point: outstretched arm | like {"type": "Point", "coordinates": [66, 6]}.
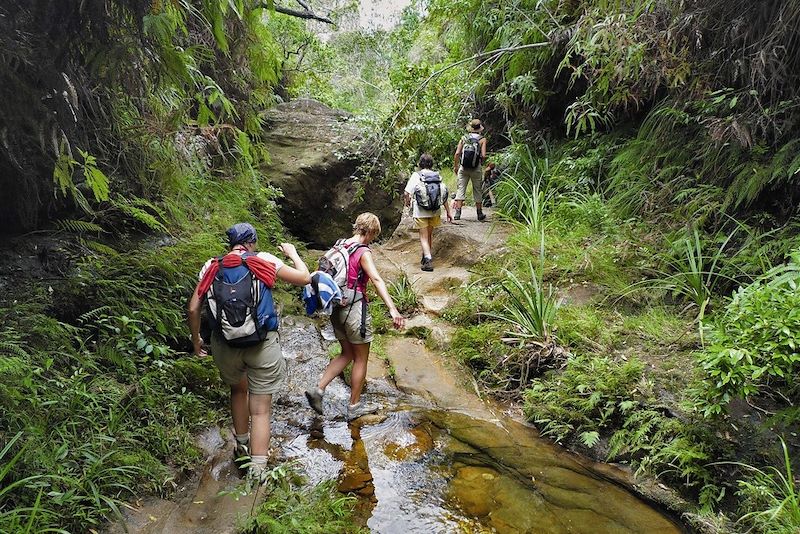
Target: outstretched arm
{"type": "Point", "coordinates": [380, 286]}
{"type": "Point", "coordinates": [298, 275]}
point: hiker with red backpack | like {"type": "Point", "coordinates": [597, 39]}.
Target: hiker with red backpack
{"type": "Point", "coordinates": [237, 291]}
{"type": "Point", "coordinates": [427, 194]}
{"type": "Point", "coordinates": [351, 262]}
{"type": "Point", "coordinates": [470, 153]}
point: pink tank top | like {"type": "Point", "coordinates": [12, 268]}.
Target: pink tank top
{"type": "Point", "coordinates": [353, 279]}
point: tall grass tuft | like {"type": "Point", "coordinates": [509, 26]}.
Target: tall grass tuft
{"type": "Point", "coordinates": [530, 307]}
{"type": "Point", "coordinates": [403, 294]}
{"type": "Point", "coordinates": [774, 496]}
{"type": "Point", "coordinates": [522, 194]}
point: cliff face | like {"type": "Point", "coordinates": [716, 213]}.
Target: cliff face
{"type": "Point", "coordinates": [316, 161]}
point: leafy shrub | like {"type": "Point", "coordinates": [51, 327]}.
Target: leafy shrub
{"type": "Point", "coordinates": [754, 341]}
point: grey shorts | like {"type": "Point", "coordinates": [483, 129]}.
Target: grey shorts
{"type": "Point", "coordinates": [470, 175]}
{"type": "Point", "coordinates": [346, 322]}
{"type": "Point", "coordinates": [264, 364]}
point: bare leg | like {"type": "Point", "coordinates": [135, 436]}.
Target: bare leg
{"type": "Point", "coordinates": [260, 412]}
{"type": "Point", "coordinates": [430, 240]}
{"type": "Point", "coordinates": [239, 409]}
{"type": "Point", "coordinates": [424, 240]}
{"type": "Point", "coordinates": [359, 374]}
{"type": "Point", "coordinates": [337, 365]}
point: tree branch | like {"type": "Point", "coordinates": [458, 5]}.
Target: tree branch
{"type": "Point", "coordinates": [305, 13]}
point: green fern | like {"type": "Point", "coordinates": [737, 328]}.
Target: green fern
{"type": "Point", "coordinates": [79, 227]}
{"type": "Point", "coordinates": [140, 210]}
{"type": "Point", "coordinates": [11, 348]}
{"type": "Point", "coordinates": [590, 438]}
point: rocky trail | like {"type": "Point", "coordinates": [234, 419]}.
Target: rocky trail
{"type": "Point", "coordinates": [437, 457]}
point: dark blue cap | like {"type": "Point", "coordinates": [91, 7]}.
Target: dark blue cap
{"type": "Point", "coordinates": [241, 233]}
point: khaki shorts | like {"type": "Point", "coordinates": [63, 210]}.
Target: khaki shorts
{"type": "Point", "coordinates": [346, 322]}
{"type": "Point", "coordinates": [425, 222]}
{"type": "Point", "coordinates": [264, 364]}
{"type": "Point", "coordinates": [470, 175]}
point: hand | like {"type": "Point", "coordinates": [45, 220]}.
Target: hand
{"type": "Point", "coordinates": [288, 250]}
{"type": "Point", "coordinates": [398, 320]}
{"type": "Point", "coordinates": [198, 347]}
{"type": "Point", "coordinates": [449, 217]}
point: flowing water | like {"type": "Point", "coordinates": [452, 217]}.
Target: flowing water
{"type": "Point", "coordinates": [435, 459]}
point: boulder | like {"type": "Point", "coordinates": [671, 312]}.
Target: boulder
{"type": "Point", "coordinates": [316, 161]}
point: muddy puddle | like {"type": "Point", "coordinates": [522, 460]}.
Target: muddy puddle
{"type": "Point", "coordinates": [419, 465]}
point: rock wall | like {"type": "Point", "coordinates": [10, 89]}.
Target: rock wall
{"type": "Point", "coordinates": [315, 160]}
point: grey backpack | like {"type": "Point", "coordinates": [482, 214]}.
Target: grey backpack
{"type": "Point", "coordinates": [428, 193]}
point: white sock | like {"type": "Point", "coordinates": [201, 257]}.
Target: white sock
{"type": "Point", "coordinates": [259, 460]}
{"type": "Point", "coordinates": [242, 439]}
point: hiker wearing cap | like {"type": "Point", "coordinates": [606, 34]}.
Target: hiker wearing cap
{"type": "Point", "coordinates": [351, 321]}
{"type": "Point", "coordinates": [427, 194]}
{"type": "Point", "coordinates": [470, 153]}
{"type": "Point", "coordinates": [237, 290]}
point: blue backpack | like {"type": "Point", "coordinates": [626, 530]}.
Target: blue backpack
{"type": "Point", "coordinates": [240, 306]}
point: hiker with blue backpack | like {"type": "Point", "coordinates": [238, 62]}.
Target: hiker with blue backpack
{"type": "Point", "coordinates": [351, 264]}
{"type": "Point", "coordinates": [236, 290]}
{"type": "Point", "coordinates": [470, 153]}
{"type": "Point", "coordinates": [426, 193]}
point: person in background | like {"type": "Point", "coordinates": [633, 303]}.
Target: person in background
{"type": "Point", "coordinates": [251, 363]}
{"type": "Point", "coordinates": [491, 174]}
{"type": "Point", "coordinates": [470, 154]}
{"type": "Point", "coordinates": [351, 322]}
{"type": "Point", "coordinates": [426, 193]}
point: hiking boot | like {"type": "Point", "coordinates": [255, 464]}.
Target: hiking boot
{"type": "Point", "coordinates": [257, 474]}
{"type": "Point", "coordinates": [427, 264]}
{"type": "Point", "coordinates": [354, 411]}
{"type": "Point", "coordinates": [457, 215]}
{"type": "Point", "coordinates": [241, 454]}
{"type": "Point", "coordinates": [314, 397]}
{"type": "Point", "coordinates": [481, 216]}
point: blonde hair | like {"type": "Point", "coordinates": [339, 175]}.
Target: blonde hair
{"type": "Point", "coordinates": [367, 224]}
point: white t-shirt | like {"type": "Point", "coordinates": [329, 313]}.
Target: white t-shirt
{"type": "Point", "coordinates": [411, 186]}
{"type": "Point", "coordinates": [266, 256]}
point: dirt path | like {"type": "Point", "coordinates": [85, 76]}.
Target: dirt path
{"type": "Point", "coordinates": [457, 248]}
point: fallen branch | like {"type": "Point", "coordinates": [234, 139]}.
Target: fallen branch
{"type": "Point", "coordinates": [305, 13]}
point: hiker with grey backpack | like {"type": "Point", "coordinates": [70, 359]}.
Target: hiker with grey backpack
{"type": "Point", "coordinates": [426, 193]}
{"type": "Point", "coordinates": [350, 263]}
{"type": "Point", "coordinates": [470, 154]}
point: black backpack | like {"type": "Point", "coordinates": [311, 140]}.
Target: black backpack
{"type": "Point", "coordinates": [428, 193]}
{"type": "Point", "coordinates": [471, 151]}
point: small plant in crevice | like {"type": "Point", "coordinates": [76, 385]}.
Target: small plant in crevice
{"type": "Point", "coordinates": [403, 294]}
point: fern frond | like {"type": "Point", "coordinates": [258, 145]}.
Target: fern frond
{"type": "Point", "coordinates": [94, 314]}
{"type": "Point", "coordinates": [79, 227]}
{"type": "Point", "coordinates": [9, 348]}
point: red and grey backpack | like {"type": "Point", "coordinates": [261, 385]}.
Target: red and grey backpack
{"type": "Point", "coordinates": [240, 306]}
